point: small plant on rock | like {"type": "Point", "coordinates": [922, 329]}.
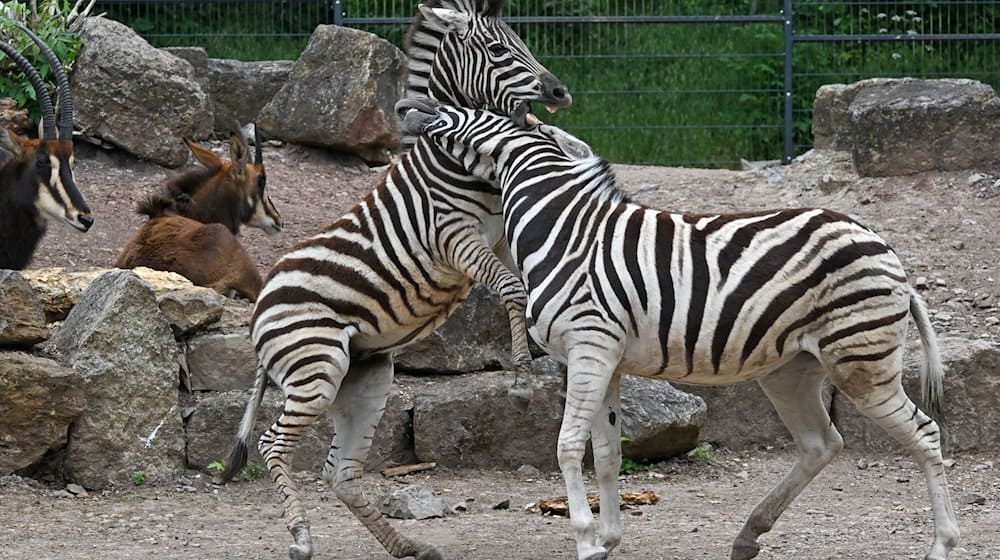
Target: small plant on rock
{"type": "Point", "coordinates": [139, 478]}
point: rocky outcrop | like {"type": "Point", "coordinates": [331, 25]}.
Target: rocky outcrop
{"type": "Point", "coordinates": [900, 127]}
{"type": "Point", "coordinates": [240, 90]}
{"type": "Point", "coordinates": [22, 318]}
{"type": "Point", "coordinates": [136, 97]}
{"type": "Point", "coordinates": [475, 338]}
{"type": "Point", "coordinates": [340, 95]}
{"type": "Point", "coordinates": [59, 289]}
{"type": "Point", "coordinates": [38, 401]}
{"type": "Point", "coordinates": [190, 309]}
{"type": "Point", "coordinates": [117, 339]}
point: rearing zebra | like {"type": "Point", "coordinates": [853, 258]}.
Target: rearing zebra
{"type": "Point", "coordinates": [390, 271]}
{"type": "Point", "coordinates": [785, 297]}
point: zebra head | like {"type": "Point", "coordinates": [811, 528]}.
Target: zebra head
{"type": "Point", "coordinates": [458, 131]}
{"type": "Point", "coordinates": [463, 54]}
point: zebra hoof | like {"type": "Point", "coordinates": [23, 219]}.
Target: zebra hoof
{"type": "Point", "coordinates": [597, 556]}
{"type": "Point", "coordinates": [300, 552]}
{"type": "Point", "coordinates": [745, 549]}
{"type": "Point", "coordinates": [520, 396]}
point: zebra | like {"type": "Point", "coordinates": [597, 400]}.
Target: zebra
{"type": "Point", "coordinates": [785, 297]}
{"type": "Point", "coordinates": [390, 271]}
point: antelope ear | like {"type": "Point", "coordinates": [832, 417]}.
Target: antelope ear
{"type": "Point", "coordinates": [452, 20]}
{"type": "Point", "coordinates": [9, 143]}
{"type": "Point", "coordinates": [239, 152]}
{"type": "Point", "coordinates": [204, 156]}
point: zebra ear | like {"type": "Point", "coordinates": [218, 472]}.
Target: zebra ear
{"type": "Point", "coordinates": [451, 20]}
{"type": "Point", "coordinates": [569, 144]}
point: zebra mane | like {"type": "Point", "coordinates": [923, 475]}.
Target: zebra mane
{"type": "Point", "coordinates": [424, 37]}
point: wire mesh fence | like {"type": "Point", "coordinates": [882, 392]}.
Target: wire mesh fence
{"type": "Point", "coordinates": [683, 82]}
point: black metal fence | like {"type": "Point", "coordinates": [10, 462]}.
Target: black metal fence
{"type": "Point", "coordinates": [682, 83]}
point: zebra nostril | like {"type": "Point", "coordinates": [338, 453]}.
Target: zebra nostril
{"type": "Point", "coordinates": [558, 92]}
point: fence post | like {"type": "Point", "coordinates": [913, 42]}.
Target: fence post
{"type": "Point", "coordinates": [338, 12]}
{"type": "Point", "coordinates": [789, 122]}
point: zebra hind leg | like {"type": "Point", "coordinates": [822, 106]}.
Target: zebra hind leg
{"type": "Point", "coordinates": [303, 404]}
{"type": "Point", "coordinates": [795, 390]}
{"type": "Point", "coordinates": [878, 394]}
{"type": "Point", "coordinates": [607, 445]}
{"type": "Point", "coordinates": [356, 413]}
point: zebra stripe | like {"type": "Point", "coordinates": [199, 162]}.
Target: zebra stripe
{"type": "Point", "coordinates": [786, 297]}
{"type": "Point", "coordinates": [390, 271]}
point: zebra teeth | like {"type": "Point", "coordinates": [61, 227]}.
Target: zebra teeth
{"type": "Point", "coordinates": [552, 108]}
{"type": "Point", "coordinates": [531, 120]}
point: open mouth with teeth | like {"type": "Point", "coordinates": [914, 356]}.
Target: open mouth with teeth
{"type": "Point", "coordinates": [525, 118]}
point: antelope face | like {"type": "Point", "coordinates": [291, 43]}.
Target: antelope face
{"type": "Point", "coordinates": [263, 214]}
{"type": "Point", "coordinates": [58, 197]}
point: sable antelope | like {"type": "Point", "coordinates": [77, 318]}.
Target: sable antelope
{"type": "Point", "coordinates": [194, 219]}
{"type": "Point", "coordinates": [36, 179]}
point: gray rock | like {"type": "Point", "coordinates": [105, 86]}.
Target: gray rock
{"type": "Point", "coordinates": [831, 122]}
{"type": "Point", "coordinates": [117, 339]}
{"type": "Point", "coordinates": [191, 309]}
{"type": "Point", "coordinates": [240, 90]}
{"type": "Point", "coordinates": [925, 125]}
{"type": "Point", "coordinates": [970, 402]}
{"type": "Point", "coordinates": [22, 317]}
{"type": "Point", "coordinates": [413, 502]}
{"type": "Point", "coordinates": [220, 361]}
{"type": "Point", "coordinates": [38, 401]}
{"type": "Point", "coordinates": [340, 94]}
{"type": "Point", "coordinates": [213, 423]}
{"type": "Point", "coordinates": [475, 337]}
{"type": "Point", "coordinates": [139, 98]}
{"type": "Point", "coordinates": [468, 421]}
{"type": "Point", "coordinates": [658, 420]}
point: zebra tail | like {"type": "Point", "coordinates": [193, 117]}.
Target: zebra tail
{"type": "Point", "coordinates": [238, 455]}
{"type": "Point", "coordinates": [932, 372]}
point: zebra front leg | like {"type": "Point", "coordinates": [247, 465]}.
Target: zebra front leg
{"type": "Point", "coordinates": [607, 444]}
{"type": "Point", "coordinates": [356, 413]}
{"type": "Point", "coordinates": [303, 404]}
{"type": "Point", "coordinates": [795, 390]}
{"type": "Point", "coordinates": [590, 368]}
{"type": "Point", "coordinates": [481, 264]}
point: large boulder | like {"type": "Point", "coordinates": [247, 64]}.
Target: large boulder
{"type": "Point", "coordinates": [658, 420]}
{"type": "Point", "coordinates": [214, 420]}
{"type": "Point", "coordinates": [475, 338]}
{"type": "Point", "coordinates": [22, 318]}
{"type": "Point", "coordinates": [137, 97]}
{"type": "Point", "coordinates": [240, 90]}
{"type": "Point", "coordinates": [117, 339]}
{"type": "Point", "coordinates": [191, 309]}
{"type": "Point", "coordinates": [38, 401]}
{"type": "Point", "coordinates": [971, 401]}
{"type": "Point", "coordinates": [899, 128]}
{"type": "Point", "coordinates": [831, 117]}
{"type": "Point", "coordinates": [468, 421]}
{"type": "Point", "coordinates": [340, 95]}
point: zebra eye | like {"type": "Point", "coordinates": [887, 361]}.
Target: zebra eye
{"type": "Point", "coordinates": [498, 49]}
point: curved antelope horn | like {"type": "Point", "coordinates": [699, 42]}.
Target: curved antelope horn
{"type": "Point", "coordinates": [62, 83]}
{"type": "Point", "coordinates": [258, 145]}
{"type": "Point", "coordinates": [44, 99]}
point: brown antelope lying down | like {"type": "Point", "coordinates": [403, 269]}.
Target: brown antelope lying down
{"type": "Point", "coordinates": [36, 176]}
{"type": "Point", "coordinates": [194, 219]}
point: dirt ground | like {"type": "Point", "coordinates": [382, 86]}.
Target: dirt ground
{"type": "Point", "coordinates": [943, 225]}
{"type": "Point", "coordinates": [876, 513]}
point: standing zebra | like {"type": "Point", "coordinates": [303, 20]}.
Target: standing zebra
{"type": "Point", "coordinates": [390, 271]}
{"type": "Point", "coordinates": [786, 297]}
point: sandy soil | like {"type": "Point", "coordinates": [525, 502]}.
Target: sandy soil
{"type": "Point", "coordinates": [941, 224]}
